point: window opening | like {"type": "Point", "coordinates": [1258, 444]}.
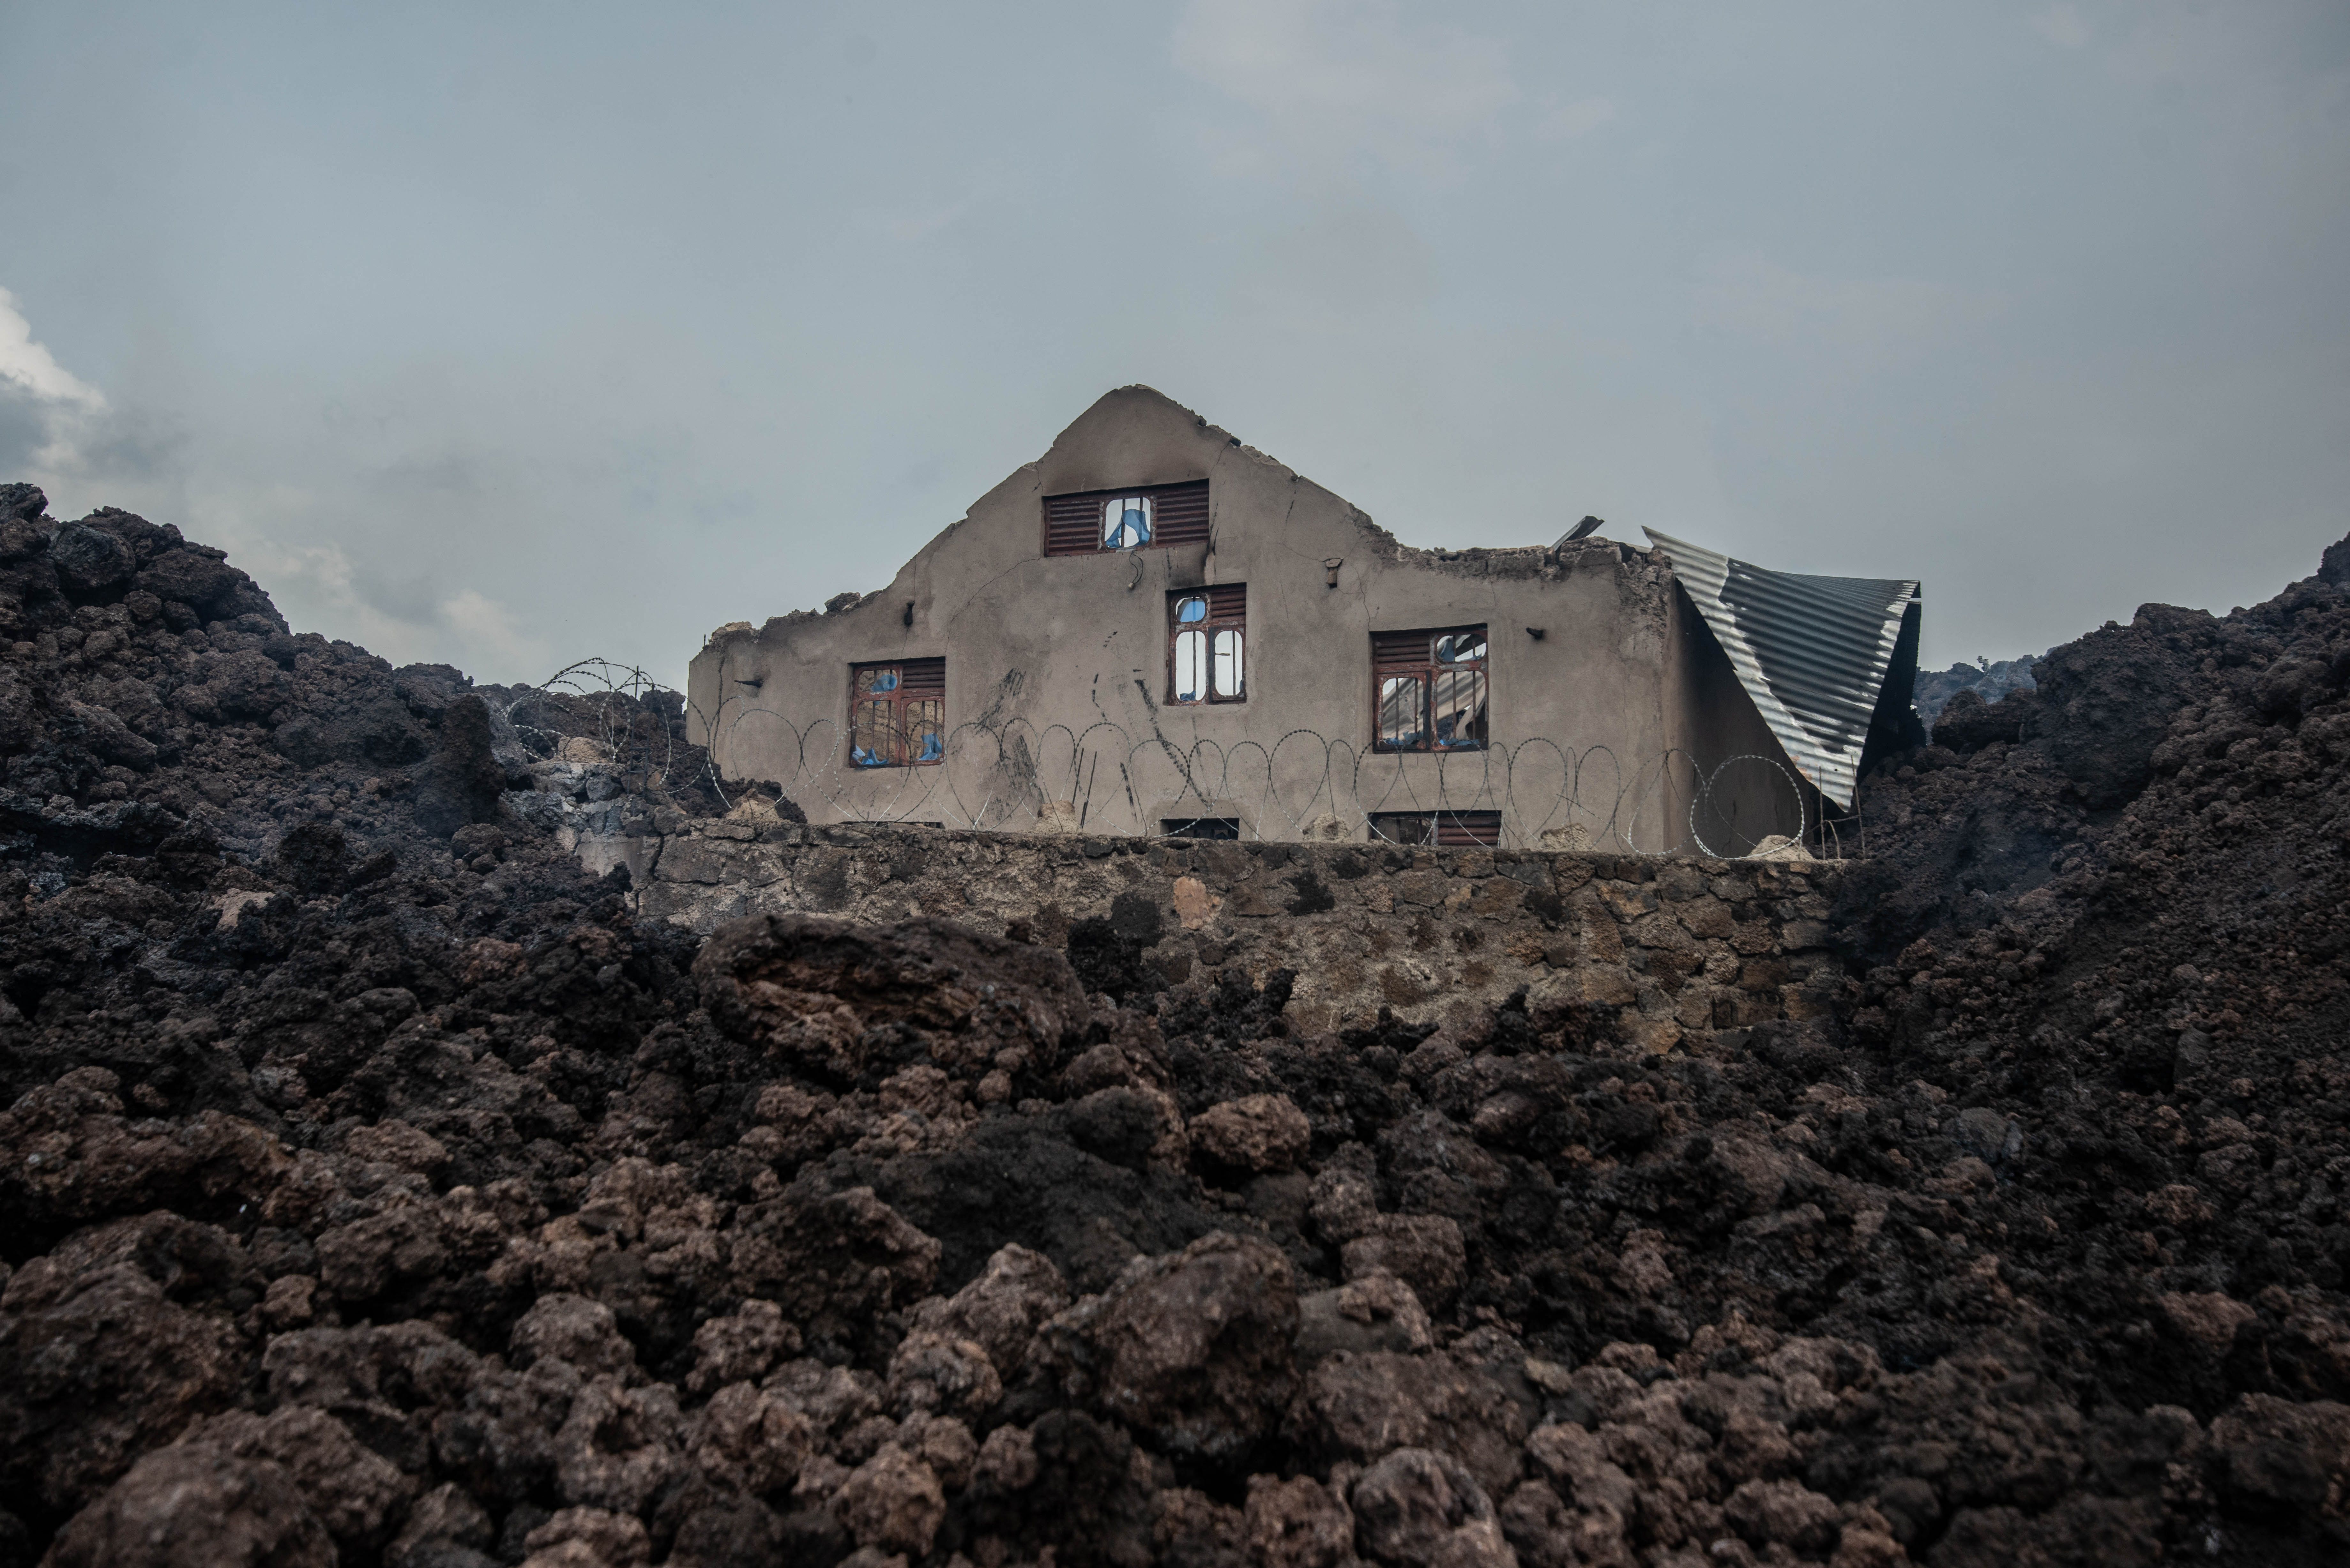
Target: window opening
{"type": "Point", "coordinates": [1126, 522]}
{"type": "Point", "coordinates": [1440, 829]}
{"type": "Point", "coordinates": [897, 713]}
{"type": "Point", "coordinates": [1430, 689]}
{"type": "Point", "coordinates": [1137, 518]}
{"type": "Point", "coordinates": [1207, 634]}
{"type": "Point", "coordinates": [1222, 828]}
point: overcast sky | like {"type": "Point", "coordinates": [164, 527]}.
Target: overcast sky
{"type": "Point", "coordinates": [507, 334]}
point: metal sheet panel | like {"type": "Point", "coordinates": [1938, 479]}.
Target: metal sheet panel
{"type": "Point", "coordinates": [1813, 652]}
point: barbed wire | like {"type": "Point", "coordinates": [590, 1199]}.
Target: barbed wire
{"type": "Point", "coordinates": [1102, 778]}
{"type": "Point", "coordinates": [1014, 775]}
{"type": "Point", "coordinates": [615, 709]}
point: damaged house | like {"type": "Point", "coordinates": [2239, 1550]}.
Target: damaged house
{"type": "Point", "coordinates": [1156, 630]}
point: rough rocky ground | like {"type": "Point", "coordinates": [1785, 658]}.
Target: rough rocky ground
{"type": "Point", "coordinates": [374, 1191]}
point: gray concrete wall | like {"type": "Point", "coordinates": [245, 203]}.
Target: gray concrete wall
{"type": "Point", "coordinates": [1056, 668]}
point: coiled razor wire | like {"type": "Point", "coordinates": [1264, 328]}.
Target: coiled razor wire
{"type": "Point", "coordinates": [616, 710]}
{"type": "Point", "coordinates": [1011, 774]}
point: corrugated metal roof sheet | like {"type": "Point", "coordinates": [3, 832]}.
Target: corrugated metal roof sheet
{"type": "Point", "coordinates": [1813, 652]}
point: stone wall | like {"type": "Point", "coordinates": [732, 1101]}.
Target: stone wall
{"type": "Point", "coordinates": [1682, 947]}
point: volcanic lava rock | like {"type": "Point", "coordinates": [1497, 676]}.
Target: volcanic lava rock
{"type": "Point", "coordinates": [375, 1187]}
{"type": "Point", "coordinates": [1417, 1506]}
{"type": "Point", "coordinates": [196, 1506]}
{"type": "Point", "coordinates": [88, 561]}
{"type": "Point", "coordinates": [1192, 1350]}
{"type": "Point", "coordinates": [463, 781]}
{"type": "Point", "coordinates": [1253, 1133]}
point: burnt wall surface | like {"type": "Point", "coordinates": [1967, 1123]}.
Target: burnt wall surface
{"type": "Point", "coordinates": [1684, 947]}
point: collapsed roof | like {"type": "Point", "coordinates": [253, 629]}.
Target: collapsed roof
{"type": "Point", "coordinates": [1819, 656]}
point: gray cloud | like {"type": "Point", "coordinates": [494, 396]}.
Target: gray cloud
{"type": "Point", "coordinates": [24, 430]}
{"type": "Point", "coordinates": [504, 344]}
{"type": "Point", "coordinates": [1341, 81]}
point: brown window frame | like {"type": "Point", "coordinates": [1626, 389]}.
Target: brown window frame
{"type": "Point", "coordinates": [1227, 611]}
{"type": "Point", "coordinates": [920, 682]}
{"type": "Point", "coordinates": [1402, 655]}
{"type": "Point", "coordinates": [1074, 522]}
{"type": "Point", "coordinates": [1439, 829]}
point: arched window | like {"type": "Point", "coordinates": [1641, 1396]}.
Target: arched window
{"type": "Point", "coordinates": [1207, 635]}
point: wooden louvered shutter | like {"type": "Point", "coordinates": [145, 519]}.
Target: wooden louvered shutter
{"type": "Point", "coordinates": [1227, 603]}
{"type": "Point", "coordinates": [1399, 652]}
{"type": "Point", "coordinates": [922, 679]}
{"type": "Point", "coordinates": [1465, 830]}
{"type": "Point", "coordinates": [1399, 690]}
{"type": "Point", "coordinates": [1072, 525]}
{"type": "Point", "coordinates": [1180, 513]}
